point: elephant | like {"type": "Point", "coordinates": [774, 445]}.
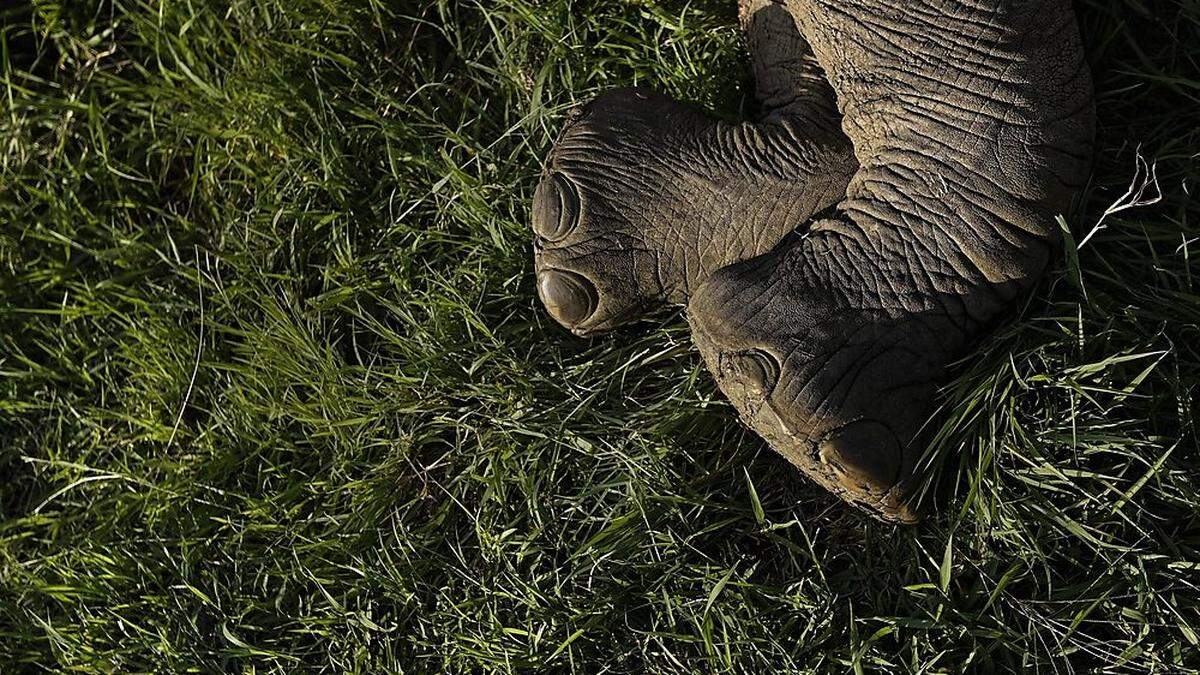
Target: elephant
{"type": "Point", "coordinates": [838, 254]}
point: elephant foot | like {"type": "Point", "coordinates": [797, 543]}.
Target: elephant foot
{"type": "Point", "coordinates": [840, 390]}
{"type": "Point", "coordinates": [609, 193]}
{"type": "Point", "coordinates": [644, 196]}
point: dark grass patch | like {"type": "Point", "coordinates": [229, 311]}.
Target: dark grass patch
{"type": "Point", "coordinates": [275, 391]}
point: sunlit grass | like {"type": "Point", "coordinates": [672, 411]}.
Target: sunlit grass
{"type": "Point", "coordinates": [275, 391]}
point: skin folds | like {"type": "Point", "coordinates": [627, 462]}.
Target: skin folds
{"type": "Point", "coordinates": [830, 279]}
{"type": "Point", "coordinates": [643, 197]}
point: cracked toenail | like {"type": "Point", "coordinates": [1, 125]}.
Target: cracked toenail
{"type": "Point", "coordinates": [759, 369]}
{"type": "Point", "coordinates": [568, 297]}
{"type": "Point", "coordinates": [555, 207]}
{"type": "Point", "coordinates": [864, 454]}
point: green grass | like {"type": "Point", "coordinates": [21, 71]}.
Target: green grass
{"type": "Point", "coordinates": [276, 394]}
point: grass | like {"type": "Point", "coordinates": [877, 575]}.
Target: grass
{"type": "Point", "coordinates": [276, 394]}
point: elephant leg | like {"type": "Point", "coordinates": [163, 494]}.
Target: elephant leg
{"type": "Point", "coordinates": [788, 80]}
{"type": "Point", "coordinates": [972, 121]}
{"type": "Point", "coordinates": [643, 196]}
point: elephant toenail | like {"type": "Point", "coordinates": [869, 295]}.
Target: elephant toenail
{"type": "Point", "coordinates": [573, 115]}
{"type": "Point", "coordinates": [865, 455]}
{"type": "Point", "coordinates": [555, 207]}
{"type": "Point", "coordinates": [758, 369]}
{"type": "Point", "coordinates": [568, 297]}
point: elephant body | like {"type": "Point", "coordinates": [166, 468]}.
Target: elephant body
{"type": "Point", "coordinates": [835, 256]}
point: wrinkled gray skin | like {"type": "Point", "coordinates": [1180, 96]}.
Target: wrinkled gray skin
{"type": "Point", "coordinates": [836, 255]}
